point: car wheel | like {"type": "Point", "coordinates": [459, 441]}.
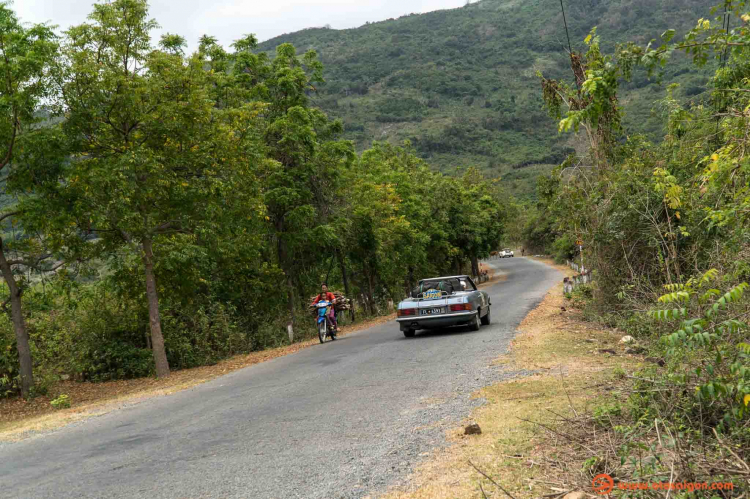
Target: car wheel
{"type": "Point", "coordinates": [486, 318]}
{"type": "Point", "coordinates": [475, 324]}
{"type": "Point", "coordinates": [409, 333]}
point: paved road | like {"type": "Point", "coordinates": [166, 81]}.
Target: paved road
{"type": "Point", "coordinates": [342, 419]}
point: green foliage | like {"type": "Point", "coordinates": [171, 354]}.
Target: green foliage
{"type": "Point", "coordinates": [9, 373]}
{"type": "Point", "coordinates": [564, 248]}
{"type": "Point", "coordinates": [61, 402]}
{"type": "Point", "coordinates": [603, 412]}
{"type": "Point", "coordinates": [665, 226]}
{"type": "Point", "coordinates": [581, 295]}
{"type": "Point", "coordinates": [723, 378]}
{"type": "Point", "coordinates": [28, 52]}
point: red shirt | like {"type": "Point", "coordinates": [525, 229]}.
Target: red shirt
{"type": "Point", "coordinates": [329, 297]}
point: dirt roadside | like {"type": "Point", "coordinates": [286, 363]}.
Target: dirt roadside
{"type": "Point", "coordinates": [20, 419]}
{"type": "Point", "coordinates": [573, 373]}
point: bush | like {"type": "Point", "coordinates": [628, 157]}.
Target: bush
{"type": "Point", "coordinates": [581, 295]}
{"type": "Point", "coordinates": [61, 402]}
{"type": "Point", "coordinates": [9, 368]}
{"type": "Point", "coordinates": [203, 336]}
{"type": "Point", "coordinates": [564, 248]}
{"type": "Point", "coordinates": [116, 360]}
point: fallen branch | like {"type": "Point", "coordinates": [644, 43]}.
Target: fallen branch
{"type": "Point", "coordinates": [560, 434]}
{"type": "Point", "coordinates": [491, 480]}
{"type": "Point", "coordinates": [725, 446]}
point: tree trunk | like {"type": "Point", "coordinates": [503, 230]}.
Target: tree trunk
{"type": "Point", "coordinates": [157, 339]}
{"type": "Point", "coordinates": [19, 326]}
{"type": "Point", "coordinates": [281, 254]}
{"type": "Point", "coordinates": [370, 297]}
{"type": "Point", "coordinates": [342, 266]}
{"type": "Point", "coordinates": [409, 281]}
{"type": "Point", "coordinates": [474, 266]}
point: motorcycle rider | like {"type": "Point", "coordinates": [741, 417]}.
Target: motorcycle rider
{"type": "Point", "coordinates": [329, 297]}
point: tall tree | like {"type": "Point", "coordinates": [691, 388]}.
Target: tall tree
{"type": "Point", "coordinates": [26, 55]}
{"type": "Point", "coordinates": [156, 155]}
{"type": "Point", "coordinates": [306, 156]}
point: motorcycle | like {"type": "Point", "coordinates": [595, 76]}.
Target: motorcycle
{"type": "Point", "coordinates": [325, 328]}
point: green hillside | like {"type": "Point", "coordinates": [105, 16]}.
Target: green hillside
{"type": "Point", "coordinates": [461, 85]}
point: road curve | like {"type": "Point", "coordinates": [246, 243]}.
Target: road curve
{"type": "Point", "coordinates": [344, 419]}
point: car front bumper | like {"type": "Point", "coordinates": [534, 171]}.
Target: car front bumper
{"type": "Point", "coordinates": [436, 321]}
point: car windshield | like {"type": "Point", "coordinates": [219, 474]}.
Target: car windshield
{"type": "Point", "coordinates": [449, 286]}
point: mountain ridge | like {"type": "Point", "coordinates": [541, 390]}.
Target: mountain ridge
{"type": "Point", "coordinates": [461, 83]}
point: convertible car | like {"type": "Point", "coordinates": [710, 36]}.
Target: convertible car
{"type": "Point", "coordinates": [443, 302]}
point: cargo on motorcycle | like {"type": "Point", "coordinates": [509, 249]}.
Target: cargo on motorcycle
{"type": "Point", "coordinates": [327, 325]}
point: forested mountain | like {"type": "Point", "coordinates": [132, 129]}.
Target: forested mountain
{"type": "Point", "coordinates": [461, 84]}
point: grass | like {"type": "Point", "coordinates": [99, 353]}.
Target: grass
{"type": "Point", "coordinates": [571, 375]}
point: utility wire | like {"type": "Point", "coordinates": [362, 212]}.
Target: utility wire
{"type": "Point", "coordinates": [724, 57]}
{"type": "Point", "coordinates": [562, 7]}
{"type": "Point", "coordinates": [570, 47]}
{"type": "Point", "coordinates": [727, 16]}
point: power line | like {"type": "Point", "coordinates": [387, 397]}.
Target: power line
{"type": "Point", "coordinates": [570, 47]}
{"type": "Point", "coordinates": [566, 26]}
{"type": "Point", "coordinates": [723, 58]}
{"type": "Point", "coordinates": [727, 17]}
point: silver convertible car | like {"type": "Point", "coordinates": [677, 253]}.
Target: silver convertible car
{"type": "Point", "coordinates": [442, 302]}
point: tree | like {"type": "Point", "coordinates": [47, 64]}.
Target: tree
{"type": "Point", "coordinates": [156, 156]}
{"type": "Point", "coordinates": [26, 55]}
{"type": "Point", "coordinates": [308, 156]}
{"type": "Point", "coordinates": [393, 227]}
{"type": "Point", "coordinates": [301, 142]}
{"type": "Point", "coordinates": [476, 217]}
{"type": "Point", "coordinates": [592, 103]}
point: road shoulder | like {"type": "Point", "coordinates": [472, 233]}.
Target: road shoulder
{"type": "Point", "coordinates": [572, 373]}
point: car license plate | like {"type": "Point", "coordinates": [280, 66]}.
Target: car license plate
{"type": "Point", "coordinates": [432, 311]}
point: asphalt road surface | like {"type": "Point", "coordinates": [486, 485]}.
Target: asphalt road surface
{"type": "Point", "coordinates": [344, 419]}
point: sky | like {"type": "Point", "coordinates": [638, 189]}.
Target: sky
{"type": "Point", "coordinates": [229, 20]}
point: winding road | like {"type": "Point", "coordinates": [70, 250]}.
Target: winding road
{"type": "Point", "coordinates": [344, 419]}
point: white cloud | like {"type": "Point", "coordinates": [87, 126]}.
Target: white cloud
{"type": "Point", "coordinates": [228, 20]}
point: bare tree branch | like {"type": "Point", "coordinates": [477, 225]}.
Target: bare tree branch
{"type": "Point", "coordinates": [491, 480]}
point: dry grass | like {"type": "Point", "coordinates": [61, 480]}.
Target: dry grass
{"type": "Point", "coordinates": [516, 452]}
{"type": "Point", "coordinates": [21, 418]}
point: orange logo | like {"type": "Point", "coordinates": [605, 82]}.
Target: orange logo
{"type": "Point", "coordinates": [603, 484]}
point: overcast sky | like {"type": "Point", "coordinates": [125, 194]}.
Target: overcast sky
{"type": "Point", "coordinates": [228, 20]}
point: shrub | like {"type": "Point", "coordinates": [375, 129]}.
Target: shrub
{"type": "Point", "coordinates": [9, 367]}
{"type": "Point", "coordinates": [581, 295]}
{"type": "Point", "coordinates": [61, 402]}
{"type": "Point", "coordinates": [564, 248]}
{"type": "Point", "coordinates": [115, 360]}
